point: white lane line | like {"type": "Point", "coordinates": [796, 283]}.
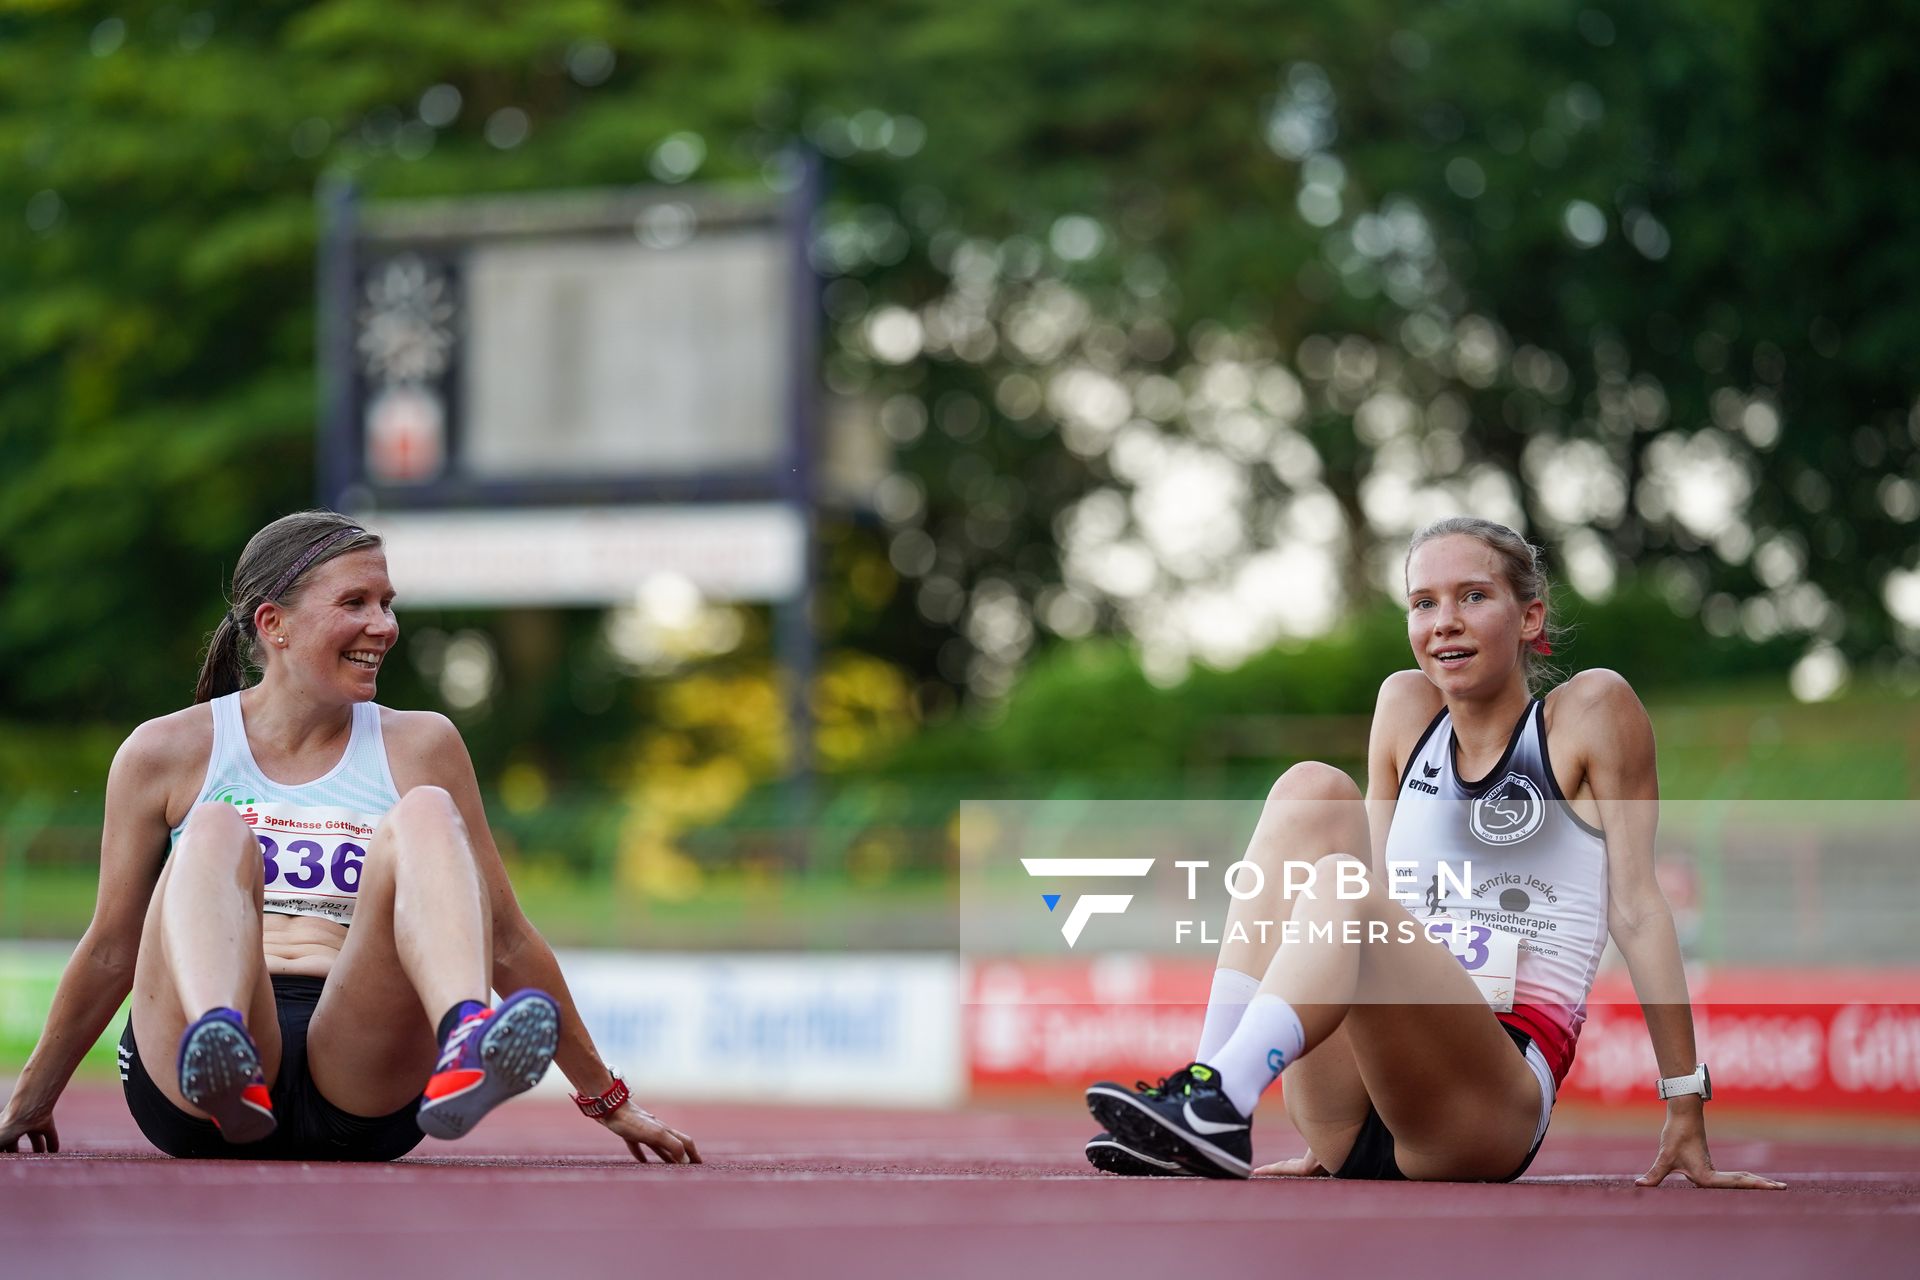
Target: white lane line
{"type": "Point", "coordinates": [1825, 1175]}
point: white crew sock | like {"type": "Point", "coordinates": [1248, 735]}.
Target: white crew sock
{"type": "Point", "coordinates": [1225, 1003]}
{"type": "Point", "coordinates": [1267, 1041]}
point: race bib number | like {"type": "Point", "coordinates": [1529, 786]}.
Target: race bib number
{"type": "Point", "coordinates": [1491, 957]}
{"type": "Point", "coordinates": [311, 858]}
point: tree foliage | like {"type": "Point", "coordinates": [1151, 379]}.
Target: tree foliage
{"type": "Point", "coordinates": [1629, 275]}
{"type": "Point", "coordinates": [1577, 259]}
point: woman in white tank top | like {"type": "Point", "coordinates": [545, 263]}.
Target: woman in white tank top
{"type": "Point", "coordinates": [299, 889]}
{"type": "Point", "coordinates": [1500, 840]}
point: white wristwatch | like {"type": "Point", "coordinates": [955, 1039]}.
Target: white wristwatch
{"type": "Point", "coordinates": [1678, 1086]}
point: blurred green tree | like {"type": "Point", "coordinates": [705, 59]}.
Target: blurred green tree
{"type": "Point", "coordinates": [1632, 274]}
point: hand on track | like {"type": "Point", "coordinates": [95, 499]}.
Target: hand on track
{"type": "Point", "coordinates": [38, 1130]}
{"type": "Point", "coordinates": [640, 1130]}
{"type": "Point", "coordinates": [1683, 1148]}
{"type": "Point", "coordinates": [1306, 1166]}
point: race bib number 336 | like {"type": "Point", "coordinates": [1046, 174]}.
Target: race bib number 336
{"type": "Point", "coordinates": [311, 858]}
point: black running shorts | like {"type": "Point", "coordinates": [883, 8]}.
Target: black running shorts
{"type": "Point", "coordinates": [310, 1127]}
{"type": "Point", "coordinates": [1372, 1154]}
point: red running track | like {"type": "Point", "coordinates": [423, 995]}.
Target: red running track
{"type": "Point", "coordinates": [538, 1193]}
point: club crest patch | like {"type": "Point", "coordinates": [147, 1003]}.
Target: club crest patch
{"type": "Point", "coordinates": [1508, 813]}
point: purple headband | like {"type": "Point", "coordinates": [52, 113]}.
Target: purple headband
{"type": "Point", "coordinates": [300, 565]}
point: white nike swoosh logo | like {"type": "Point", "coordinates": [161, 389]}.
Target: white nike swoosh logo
{"type": "Point", "coordinates": [1208, 1126]}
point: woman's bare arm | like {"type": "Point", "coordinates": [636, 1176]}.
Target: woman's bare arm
{"type": "Point", "coordinates": [1406, 705]}
{"type": "Point", "coordinates": [100, 974]}
{"type": "Point", "coordinates": [1613, 744]}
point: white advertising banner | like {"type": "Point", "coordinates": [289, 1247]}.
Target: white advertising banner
{"type": "Point", "coordinates": [862, 1029]}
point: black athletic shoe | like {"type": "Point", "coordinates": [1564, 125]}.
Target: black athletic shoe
{"type": "Point", "coordinates": [1110, 1155]}
{"type": "Point", "coordinates": [1186, 1120]}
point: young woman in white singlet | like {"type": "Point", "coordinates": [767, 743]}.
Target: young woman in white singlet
{"type": "Point", "coordinates": [299, 889]}
{"type": "Point", "coordinates": [1523, 833]}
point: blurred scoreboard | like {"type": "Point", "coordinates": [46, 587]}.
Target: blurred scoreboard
{"type": "Point", "coordinates": [549, 398]}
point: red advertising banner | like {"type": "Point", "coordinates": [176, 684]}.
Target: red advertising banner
{"type": "Point", "coordinates": [1791, 1041]}
{"type": "Point", "coordinates": [1770, 1039]}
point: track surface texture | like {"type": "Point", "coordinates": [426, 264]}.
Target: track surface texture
{"type": "Point", "coordinates": [538, 1192]}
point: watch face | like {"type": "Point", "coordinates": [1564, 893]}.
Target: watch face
{"type": "Point", "coordinates": [1706, 1084]}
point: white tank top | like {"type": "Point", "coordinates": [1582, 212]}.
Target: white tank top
{"type": "Point", "coordinates": [313, 836]}
{"type": "Point", "coordinates": [1537, 870]}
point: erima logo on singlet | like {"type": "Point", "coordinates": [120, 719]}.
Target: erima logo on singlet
{"type": "Point", "coordinates": [1510, 812]}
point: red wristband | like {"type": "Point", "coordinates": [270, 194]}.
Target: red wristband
{"type": "Point", "coordinates": [607, 1103]}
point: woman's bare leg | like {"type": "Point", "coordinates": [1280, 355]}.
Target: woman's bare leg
{"type": "Point", "coordinates": [421, 942]}
{"type": "Point", "coordinates": [1396, 1026]}
{"type": "Point", "coordinates": [1313, 810]}
{"type": "Point", "coordinates": [1434, 1060]}
{"type": "Point", "coordinates": [200, 947]}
